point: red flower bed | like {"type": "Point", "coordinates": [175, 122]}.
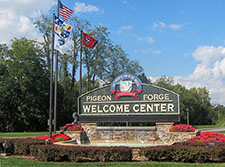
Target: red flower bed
{"type": "Point", "coordinates": [59, 137]}
{"type": "Point", "coordinates": [72, 127]}
{"type": "Point", "coordinates": [55, 137]}
{"type": "Point", "coordinates": [39, 137]}
{"type": "Point", "coordinates": [208, 137]}
{"type": "Point", "coordinates": [182, 128]}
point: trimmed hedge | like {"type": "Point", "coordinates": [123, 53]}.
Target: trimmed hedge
{"type": "Point", "coordinates": [178, 152]}
{"type": "Point", "coordinates": [23, 147]}
{"type": "Point", "coordinates": [81, 154]}
{"type": "Point", "coordinates": [187, 152]}
{"type": "Point", "coordinates": [19, 146]}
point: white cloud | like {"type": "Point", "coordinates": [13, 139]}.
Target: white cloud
{"type": "Point", "coordinates": [175, 26]}
{"type": "Point", "coordinates": [208, 54]}
{"type": "Point", "coordinates": [157, 52]}
{"type": "Point", "coordinates": [150, 51]}
{"type": "Point", "coordinates": [17, 18]}
{"type": "Point", "coordinates": [81, 7]}
{"type": "Point", "coordinates": [161, 25]}
{"type": "Point", "coordinates": [209, 73]}
{"type": "Point", "coordinates": [124, 28]}
{"type": "Point", "coordinates": [124, 2]}
{"type": "Point", "coordinates": [150, 40]}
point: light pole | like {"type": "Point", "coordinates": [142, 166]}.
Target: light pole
{"type": "Point", "coordinates": [51, 76]}
{"type": "Point", "coordinates": [188, 116]}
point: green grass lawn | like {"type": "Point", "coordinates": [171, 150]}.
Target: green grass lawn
{"type": "Point", "coordinates": [22, 134]}
{"type": "Point", "coordinates": [222, 132]}
{"type": "Point", "coordinates": [207, 126]}
{"type": "Point", "coordinates": [32, 134]}
{"type": "Point", "coordinates": [19, 162]}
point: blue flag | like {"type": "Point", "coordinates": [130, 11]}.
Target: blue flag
{"type": "Point", "coordinates": [61, 28]}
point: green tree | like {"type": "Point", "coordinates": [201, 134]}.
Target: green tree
{"type": "Point", "coordinates": [165, 82]}
{"type": "Point", "coordinates": [44, 25]}
{"type": "Point", "coordinates": [196, 100]}
{"type": "Point", "coordinates": [218, 114]}
{"type": "Point", "coordinates": [200, 106]}
{"type": "Point", "coordinates": [24, 88]}
{"type": "Point", "coordinates": [77, 25]}
{"type": "Point", "coordinates": [67, 94]}
{"type": "Point", "coordinates": [95, 59]}
{"type": "Point", "coordinates": [117, 62]}
{"type": "Point", "coordinates": [144, 79]}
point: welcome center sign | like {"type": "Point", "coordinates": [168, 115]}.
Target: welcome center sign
{"type": "Point", "coordinates": [128, 100]}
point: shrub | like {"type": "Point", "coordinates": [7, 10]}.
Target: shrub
{"type": "Point", "coordinates": [197, 152]}
{"type": "Point", "coordinates": [187, 152]}
{"type": "Point", "coordinates": [48, 153]}
{"type": "Point", "coordinates": [22, 147]}
{"type": "Point", "coordinates": [19, 146]}
{"type": "Point", "coordinates": [82, 154]}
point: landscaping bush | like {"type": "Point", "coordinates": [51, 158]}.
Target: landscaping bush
{"type": "Point", "coordinates": [81, 154]}
{"type": "Point", "coordinates": [22, 147]}
{"type": "Point", "coordinates": [179, 152]}
{"type": "Point", "coordinates": [158, 153]}
{"type": "Point", "coordinates": [10, 150]}
{"type": "Point", "coordinates": [48, 153]}
{"type": "Point", "coordinates": [187, 152]}
{"type": "Point", "coordinates": [113, 154]}
{"type": "Point", "coordinates": [19, 146]}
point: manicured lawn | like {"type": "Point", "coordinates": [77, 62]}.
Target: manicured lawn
{"type": "Point", "coordinates": [18, 162]}
{"type": "Point", "coordinates": [32, 134]}
{"type": "Point", "coordinates": [222, 132]}
{"type": "Point", "coordinates": [207, 126]}
{"type": "Point", "coordinates": [22, 134]}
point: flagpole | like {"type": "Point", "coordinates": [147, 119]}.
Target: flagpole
{"type": "Point", "coordinates": [56, 78]}
{"type": "Point", "coordinates": [81, 39]}
{"type": "Point", "coordinates": [51, 77]}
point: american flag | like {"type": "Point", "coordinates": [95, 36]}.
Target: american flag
{"type": "Point", "coordinates": [64, 11]}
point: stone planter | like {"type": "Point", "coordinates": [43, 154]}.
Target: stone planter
{"type": "Point", "coordinates": [181, 136]}
{"type": "Point", "coordinates": [75, 135]}
{"type": "Point", "coordinates": [159, 134]}
{"type": "Point", "coordinates": [167, 137]}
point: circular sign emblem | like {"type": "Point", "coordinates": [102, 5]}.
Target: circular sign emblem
{"type": "Point", "coordinates": [125, 81]}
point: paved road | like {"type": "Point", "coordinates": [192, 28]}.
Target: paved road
{"type": "Point", "coordinates": [212, 130]}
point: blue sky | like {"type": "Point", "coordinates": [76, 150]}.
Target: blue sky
{"type": "Point", "coordinates": [180, 38]}
{"type": "Point", "coordinates": [161, 34]}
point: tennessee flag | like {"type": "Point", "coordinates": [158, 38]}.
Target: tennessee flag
{"type": "Point", "coordinates": [88, 41]}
